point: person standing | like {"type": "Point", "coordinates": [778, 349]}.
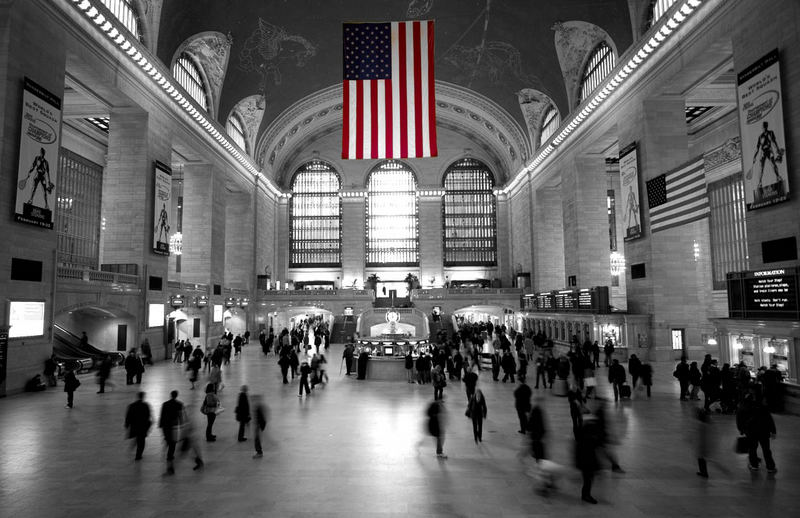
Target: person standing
{"type": "Point", "coordinates": [71, 384]}
{"type": "Point", "coordinates": [215, 378]}
{"type": "Point", "coordinates": [409, 365]}
{"type": "Point", "coordinates": [497, 360]}
{"type": "Point", "coordinates": [103, 373]}
{"type": "Point", "coordinates": [646, 375]}
{"type": "Point", "coordinates": [522, 403]}
{"type": "Point", "coordinates": [171, 422]}
{"type": "Point", "coordinates": [138, 422]}
{"type": "Point", "coordinates": [284, 363]}
{"type": "Point", "coordinates": [458, 364]}
{"type": "Point", "coordinates": [755, 422]}
{"type": "Point", "coordinates": [682, 374]}
{"type": "Point", "coordinates": [712, 379]}
{"type": "Point", "coordinates": [617, 377]}
{"type": "Point", "coordinates": [347, 355]}
{"type": "Point", "coordinates": [243, 412]}
{"type": "Point", "coordinates": [131, 366]}
{"type": "Point", "coordinates": [210, 408]}
{"type": "Point", "coordinates": [477, 411]}
{"type": "Point", "coordinates": [608, 349]}
{"type": "Point", "coordinates": [50, 368]}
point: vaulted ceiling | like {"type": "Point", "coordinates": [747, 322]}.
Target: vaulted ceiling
{"type": "Point", "coordinates": [287, 50]}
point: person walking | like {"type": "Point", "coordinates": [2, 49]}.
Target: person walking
{"type": "Point", "coordinates": [470, 381]}
{"type": "Point", "coordinates": [634, 369]}
{"type": "Point", "coordinates": [71, 384]}
{"type": "Point", "coordinates": [103, 373]}
{"type": "Point", "coordinates": [284, 363]}
{"type": "Point", "coordinates": [138, 421]}
{"type": "Point", "coordinates": [497, 361]}
{"type": "Point", "coordinates": [305, 370]}
{"type": "Point", "coordinates": [682, 374]}
{"type": "Point", "coordinates": [242, 413]}
{"type": "Point", "coordinates": [755, 422]}
{"type": "Point", "coordinates": [132, 364]}
{"type": "Point", "coordinates": [210, 407]}
{"type": "Point", "coordinates": [193, 367]}
{"type": "Point", "coordinates": [439, 383]}
{"type": "Point", "coordinates": [436, 425]}
{"type": "Point", "coordinates": [695, 380]}
{"type": "Point", "coordinates": [347, 355]}
{"type": "Point", "coordinates": [171, 422]}
{"type": "Point", "coordinates": [522, 403]}
{"type": "Point", "coordinates": [646, 375]}
{"type": "Point", "coordinates": [261, 413]}
{"type": "Point", "coordinates": [617, 377]}
{"type": "Point", "coordinates": [476, 411]}
{"type": "Point", "coordinates": [536, 429]}
{"type": "Point", "coordinates": [50, 368]}
{"type": "Point", "coordinates": [215, 378]}
{"type": "Point", "coordinates": [586, 461]}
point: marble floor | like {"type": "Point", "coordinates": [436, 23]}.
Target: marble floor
{"type": "Point", "coordinates": [359, 449]}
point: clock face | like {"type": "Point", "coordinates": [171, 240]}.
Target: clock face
{"type": "Point", "coordinates": [392, 316]}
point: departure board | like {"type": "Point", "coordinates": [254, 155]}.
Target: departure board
{"type": "Point", "coordinates": [763, 294]}
{"type": "Point", "coordinates": [589, 300]}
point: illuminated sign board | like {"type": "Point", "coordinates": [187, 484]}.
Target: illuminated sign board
{"type": "Point", "coordinates": [590, 300]}
{"type": "Point", "coordinates": [764, 294]}
{"type": "Point", "coordinates": [26, 318]}
{"type": "Point", "coordinates": [155, 315]}
{"type": "Point", "coordinates": [217, 312]}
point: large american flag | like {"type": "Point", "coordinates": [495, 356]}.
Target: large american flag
{"type": "Point", "coordinates": [389, 102]}
{"type": "Point", "coordinates": [678, 197]}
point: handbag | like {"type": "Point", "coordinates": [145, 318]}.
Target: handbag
{"type": "Point", "coordinates": [591, 381]}
{"type": "Point", "coordinates": [742, 445]}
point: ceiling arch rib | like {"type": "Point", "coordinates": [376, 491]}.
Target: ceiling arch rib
{"type": "Point", "coordinates": [457, 108]}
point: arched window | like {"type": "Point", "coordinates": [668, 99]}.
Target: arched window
{"type": "Point", "coordinates": [470, 215]}
{"type": "Point", "coordinates": [234, 129]}
{"type": "Point", "coordinates": [552, 120]}
{"type": "Point", "coordinates": [392, 217]}
{"type": "Point", "coordinates": [601, 62]}
{"type": "Point", "coordinates": [126, 14]}
{"type": "Point", "coordinates": [657, 10]}
{"type": "Point", "coordinates": [315, 217]}
{"type": "Point", "coordinates": [188, 75]}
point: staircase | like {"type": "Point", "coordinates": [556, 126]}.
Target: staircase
{"type": "Point", "coordinates": [343, 327]}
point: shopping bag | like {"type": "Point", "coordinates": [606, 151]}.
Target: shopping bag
{"type": "Point", "coordinates": [742, 445]}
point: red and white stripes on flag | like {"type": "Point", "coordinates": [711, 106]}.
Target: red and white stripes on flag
{"type": "Point", "coordinates": [389, 104]}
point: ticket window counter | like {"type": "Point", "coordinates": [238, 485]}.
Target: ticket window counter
{"type": "Point", "coordinates": [776, 351]}
{"type": "Point", "coordinates": [758, 351]}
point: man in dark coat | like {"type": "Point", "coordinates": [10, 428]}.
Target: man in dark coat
{"type": "Point", "coordinates": [617, 377]}
{"type": "Point", "coordinates": [103, 373]}
{"type": "Point", "coordinates": [138, 422]}
{"type": "Point", "coordinates": [634, 369]}
{"type": "Point", "coordinates": [682, 374]}
{"type": "Point", "coordinates": [522, 403]}
{"type": "Point", "coordinates": [243, 412]}
{"type": "Point", "coordinates": [755, 422]}
{"type": "Point", "coordinates": [458, 365]}
{"type": "Point", "coordinates": [170, 422]}
{"type": "Point", "coordinates": [470, 381]}
{"type": "Point", "coordinates": [363, 358]}
{"type": "Point", "coordinates": [71, 384]}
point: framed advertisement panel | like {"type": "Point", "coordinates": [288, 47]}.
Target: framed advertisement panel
{"type": "Point", "coordinates": [629, 187]}
{"type": "Point", "coordinates": [758, 91]}
{"type": "Point", "coordinates": [161, 208]}
{"type": "Point", "coordinates": [37, 170]}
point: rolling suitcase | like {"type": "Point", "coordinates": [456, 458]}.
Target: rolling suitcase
{"type": "Point", "coordinates": [625, 391]}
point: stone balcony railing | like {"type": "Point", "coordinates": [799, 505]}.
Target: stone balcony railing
{"type": "Point", "coordinates": [117, 281]}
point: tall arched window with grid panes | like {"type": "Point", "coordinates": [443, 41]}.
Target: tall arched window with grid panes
{"type": "Point", "coordinates": [188, 75]}
{"type": "Point", "coordinates": [392, 216]}
{"type": "Point", "coordinates": [657, 10]}
{"type": "Point", "coordinates": [470, 215]}
{"type": "Point", "coordinates": [235, 131]}
{"type": "Point", "coordinates": [125, 12]}
{"type": "Point", "coordinates": [601, 61]}
{"type": "Point", "coordinates": [315, 214]}
{"type": "Point", "coordinates": [550, 123]}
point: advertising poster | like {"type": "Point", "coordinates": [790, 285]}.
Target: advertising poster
{"type": "Point", "coordinates": [629, 193]}
{"type": "Point", "coordinates": [38, 156]}
{"type": "Point", "coordinates": [161, 208]}
{"type": "Point", "coordinates": [766, 179]}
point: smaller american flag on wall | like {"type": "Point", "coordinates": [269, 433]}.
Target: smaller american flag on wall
{"type": "Point", "coordinates": [678, 197]}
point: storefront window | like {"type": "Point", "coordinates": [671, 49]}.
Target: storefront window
{"type": "Point", "coordinates": [775, 351]}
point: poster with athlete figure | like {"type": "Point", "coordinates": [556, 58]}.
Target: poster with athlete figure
{"type": "Point", "coordinates": [766, 179]}
{"type": "Point", "coordinates": [38, 156]}
{"type": "Point", "coordinates": [629, 193]}
{"type": "Point", "coordinates": [162, 205]}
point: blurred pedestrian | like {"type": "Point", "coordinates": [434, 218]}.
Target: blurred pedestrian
{"type": "Point", "coordinates": [243, 412]}
{"type": "Point", "coordinates": [305, 371]}
{"type": "Point", "coordinates": [138, 421]}
{"type": "Point", "coordinates": [617, 377]}
{"type": "Point", "coordinates": [646, 376]}
{"type": "Point", "coordinates": [50, 369]}
{"type": "Point", "coordinates": [103, 373]}
{"type": "Point", "coordinates": [536, 429]}
{"type": "Point", "coordinates": [586, 442]}
{"type": "Point", "coordinates": [436, 426]}
{"type": "Point", "coordinates": [215, 378]}
{"type": "Point", "coordinates": [522, 403]}
{"type": "Point", "coordinates": [261, 413]}
{"type": "Point", "coordinates": [470, 381]}
{"type": "Point", "coordinates": [439, 382]}
{"type": "Point", "coordinates": [172, 421]}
